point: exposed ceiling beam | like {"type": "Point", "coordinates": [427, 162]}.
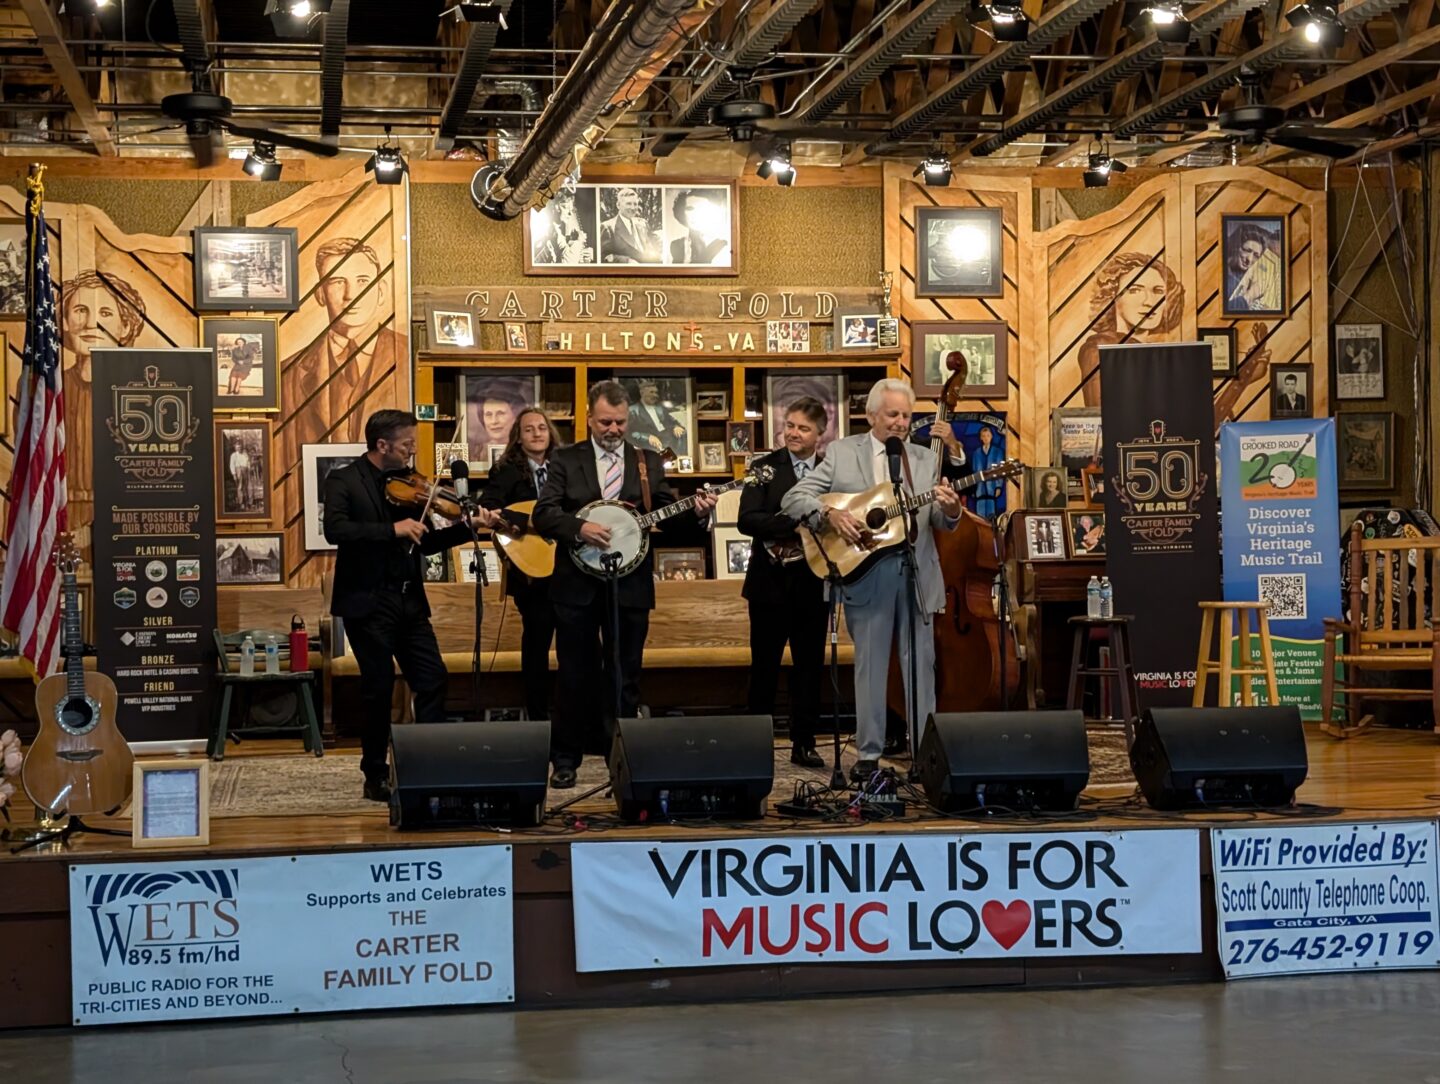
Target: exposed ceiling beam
{"type": "Point", "coordinates": [332, 67]}
{"type": "Point", "coordinates": [479, 42]}
{"type": "Point", "coordinates": [1377, 60]}
{"type": "Point", "coordinates": [1378, 111]}
{"type": "Point", "coordinates": [52, 44]}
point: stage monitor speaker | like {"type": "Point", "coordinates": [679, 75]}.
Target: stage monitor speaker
{"type": "Point", "coordinates": [448, 774]}
{"type": "Point", "coordinates": [720, 766]}
{"type": "Point", "coordinates": [1004, 759]}
{"type": "Point", "coordinates": [1200, 757]}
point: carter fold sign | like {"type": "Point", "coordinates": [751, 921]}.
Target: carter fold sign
{"type": "Point", "coordinates": [885, 898]}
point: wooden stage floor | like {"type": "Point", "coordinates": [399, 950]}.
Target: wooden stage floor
{"type": "Point", "coordinates": [1385, 774]}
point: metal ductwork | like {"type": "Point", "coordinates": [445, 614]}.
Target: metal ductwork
{"type": "Point", "coordinates": [632, 44]}
{"type": "Point", "coordinates": [509, 141]}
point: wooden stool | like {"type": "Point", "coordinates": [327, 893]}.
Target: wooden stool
{"type": "Point", "coordinates": [1121, 670]}
{"type": "Point", "coordinates": [1222, 667]}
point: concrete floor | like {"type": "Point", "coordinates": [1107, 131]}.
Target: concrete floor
{"type": "Point", "coordinates": [1339, 1028]}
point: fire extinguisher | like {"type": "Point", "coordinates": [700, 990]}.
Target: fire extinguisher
{"type": "Point", "coordinates": [299, 644]}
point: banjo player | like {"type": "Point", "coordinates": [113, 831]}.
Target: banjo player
{"type": "Point", "coordinates": [604, 467]}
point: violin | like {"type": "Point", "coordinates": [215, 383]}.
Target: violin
{"type": "Point", "coordinates": [411, 489]}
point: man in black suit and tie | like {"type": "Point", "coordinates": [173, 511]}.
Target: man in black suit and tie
{"type": "Point", "coordinates": [651, 425]}
{"type": "Point", "coordinates": [605, 467]}
{"type": "Point", "coordinates": [627, 238]}
{"type": "Point", "coordinates": [379, 588]}
{"type": "Point", "coordinates": [786, 600]}
{"type": "Point", "coordinates": [1291, 401]}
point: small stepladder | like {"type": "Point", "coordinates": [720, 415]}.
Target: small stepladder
{"type": "Point", "coordinates": [1223, 667]}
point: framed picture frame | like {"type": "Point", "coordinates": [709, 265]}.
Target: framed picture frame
{"type": "Point", "coordinates": [247, 362]}
{"type": "Point", "coordinates": [1365, 450]}
{"type": "Point", "coordinates": [712, 458]}
{"type": "Point", "coordinates": [1291, 388]}
{"type": "Point", "coordinates": [858, 331]}
{"type": "Point", "coordinates": [1085, 534]}
{"type": "Point", "coordinates": [6, 368]}
{"type": "Point", "coordinates": [246, 269]}
{"type": "Point", "coordinates": [437, 567]}
{"type": "Point", "coordinates": [243, 470]}
{"type": "Point", "coordinates": [1045, 489]}
{"type": "Point", "coordinates": [959, 252]}
{"type": "Point", "coordinates": [739, 439]}
{"type": "Point", "coordinates": [687, 563]}
{"type": "Point", "coordinates": [316, 463]}
{"type": "Point", "coordinates": [487, 403]}
{"type": "Point", "coordinates": [625, 227]}
{"type": "Point", "coordinates": [250, 560]}
{"type": "Point", "coordinates": [170, 805]}
{"type": "Point", "coordinates": [1092, 486]}
{"type": "Point", "coordinates": [712, 404]}
{"type": "Point", "coordinates": [1254, 266]}
{"type": "Point", "coordinates": [731, 552]}
{"type": "Point", "coordinates": [783, 388]}
{"type": "Point", "coordinates": [1075, 442]}
{"type": "Point", "coordinates": [1045, 536]}
{"type": "Point", "coordinates": [789, 336]}
{"type": "Point", "coordinates": [13, 256]}
{"type": "Point", "coordinates": [464, 557]}
{"type": "Point", "coordinates": [662, 412]}
{"type": "Point", "coordinates": [516, 338]}
{"type": "Point", "coordinates": [984, 344]}
{"type": "Point", "coordinates": [1224, 355]}
{"type": "Point", "coordinates": [1359, 361]}
{"type": "Point", "coordinates": [753, 408]}
{"type": "Point", "coordinates": [426, 412]}
{"type": "Point", "coordinates": [452, 329]}
{"type": "Point", "coordinates": [447, 452]}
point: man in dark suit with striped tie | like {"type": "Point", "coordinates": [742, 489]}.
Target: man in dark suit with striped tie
{"type": "Point", "coordinates": [605, 467]}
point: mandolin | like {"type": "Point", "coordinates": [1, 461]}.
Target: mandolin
{"type": "Point", "coordinates": [79, 763]}
{"type": "Point", "coordinates": [884, 517]}
{"type": "Point", "coordinates": [528, 550]}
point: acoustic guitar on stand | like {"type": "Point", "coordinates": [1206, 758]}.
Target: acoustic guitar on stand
{"type": "Point", "coordinates": [79, 762]}
{"type": "Point", "coordinates": [884, 517]}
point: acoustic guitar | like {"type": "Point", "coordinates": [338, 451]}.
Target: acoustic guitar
{"type": "Point", "coordinates": [884, 517]}
{"type": "Point", "coordinates": [528, 550]}
{"type": "Point", "coordinates": [79, 763]}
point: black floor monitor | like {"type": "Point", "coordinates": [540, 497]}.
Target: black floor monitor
{"type": "Point", "coordinates": [1201, 757]}
{"type": "Point", "coordinates": [720, 766]}
{"type": "Point", "coordinates": [448, 774]}
{"type": "Point", "coordinates": [1017, 760]}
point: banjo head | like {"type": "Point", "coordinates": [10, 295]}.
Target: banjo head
{"type": "Point", "coordinates": [626, 538]}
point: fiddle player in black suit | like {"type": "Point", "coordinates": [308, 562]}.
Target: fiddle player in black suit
{"type": "Point", "coordinates": [786, 600]}
{"type": "Point", "coordinates": [379, 588]}
{"type": "Point", "coordinates": [604, 467]}
{"type": "Point", "coordinates": [520, 475]}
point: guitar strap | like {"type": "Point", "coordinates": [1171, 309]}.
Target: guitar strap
{"type": "Point", "coordinates": [912, 524]}
{"type": "Point", "coordinates": [644, 481]}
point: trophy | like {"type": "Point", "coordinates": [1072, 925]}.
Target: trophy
{"type": "Point", "coordinates": [887, 328]}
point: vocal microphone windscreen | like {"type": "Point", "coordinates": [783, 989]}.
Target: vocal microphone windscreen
{"type": "Point", "coordinates": [460, 477]}
{"type": "Point", "coordinates": [894, 449]}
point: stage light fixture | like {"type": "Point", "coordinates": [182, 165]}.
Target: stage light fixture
{"type": "Point", "coordinates": [1320, 24]}
{"type": "Point", "coordinates": [1167, 20]}
{"type": "Point", "coordinates": [84, 7]}
{"type": "Point", "coordinates": [935, 168]}
{"type": "Point", "coordinates": [779, 166]}
{"type": "Point", "coordinates": [293, 18]}
{"type": "Point", "coordinates": [476, 11]}
{"type": "Point", "coordinates": [1101, 167]}
{"type": "Point", "coordinates": [1008, 21]}
{"type": "Point", "coordinates": [387, 163]}
{"type": "Point", "coordinates": [260, 162]}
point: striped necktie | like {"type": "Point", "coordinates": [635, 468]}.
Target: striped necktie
{"type": "Point", "coordinates": [541, 473]}
{"type": "Point", "coordinates": [614, 475]}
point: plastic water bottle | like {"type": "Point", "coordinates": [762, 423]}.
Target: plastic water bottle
{"type": "Point", "coordinates": [1092, 597]}
{"type": "Point", "coordinates": [247, 658]}
{"type": "Point", "coordinates": [272, 656]}
{"type": "Point", "coordinates": [1107, 598]}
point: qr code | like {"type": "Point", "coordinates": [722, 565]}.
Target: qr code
{"type": "Point", "coordinates": [1286, 595]}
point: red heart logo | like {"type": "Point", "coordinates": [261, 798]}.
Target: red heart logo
{"type": "Point", "coordinates": [1007, 923]}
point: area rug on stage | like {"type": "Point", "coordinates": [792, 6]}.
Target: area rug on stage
{"type": "Point", "coordinates": [301, 785]}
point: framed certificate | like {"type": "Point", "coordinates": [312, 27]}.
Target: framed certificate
{"type": "Point", "coordinates": [171, 804]}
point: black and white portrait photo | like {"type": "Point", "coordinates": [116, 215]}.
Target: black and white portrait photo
{"type": "Point", "coordinates": [247, 370]}
{"type": "Point", "coordinates": [697, 226]}
{"type": "Point", "coordinates": [1255, 256]}
{"type": "Point", "coordinates": [12, 267]}
{"type": "Point", "coordinates": [563, 232]}
{"type": "Point", "coordinates": [242, 469]}
{"type": "Point", "coordinates": [1045, 538]}
{"type": "Point", "coordinates": [959, 252]}
{"type": "Point", "coordinates": [1359, 362]}
{"type": "Point", "coordinates": [249, 560]}
{"type": "Point", "coordinates": [492, 402]}
{"type": "Point", "coordinates": [631, 218]}
{"type": "Point", "coordinates": [317, 461]}
{"type": "Point", "coordinates": [250, 268]}
{"type": "Point", "coordinates": [1290, 391]}
{"type": "Point", "coordinates": [452, 328]}
{"type": "Point", "coordinates": [662, 414]}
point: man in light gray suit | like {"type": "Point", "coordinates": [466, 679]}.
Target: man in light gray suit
{"type": "Point", "coordinates": [875, 605]}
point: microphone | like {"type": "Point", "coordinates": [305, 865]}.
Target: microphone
{"type": "Point", "coordinates": [460, 478]}
{"type": "Point", "coordinates": [894, 449]}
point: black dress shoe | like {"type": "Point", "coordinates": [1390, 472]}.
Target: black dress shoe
{"type": "Point", "coordinates": [562, 779]}
{"type": "Point", "coordinates": [806, 757]}
{"type": "Point", "coordinates": [862, 770]}
{"type": "Point", "coordinates": [896, 747]}
{"type": "Point", "coordinates": [377, 790]}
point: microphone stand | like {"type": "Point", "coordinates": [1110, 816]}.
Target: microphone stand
{"type": "Point", "coordinates": [833, 583]}
{"type": "Point", "coordinates": [610, 564]}
{"type": "Point", "coordinates": [1002, 601]}
{"type": "Point", "coordinates": [480, 584]}
{"type": "Point", "coordinates": [912, 609]}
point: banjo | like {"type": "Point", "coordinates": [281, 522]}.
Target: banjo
{"type": "Point", "coordinates": [630, 530]}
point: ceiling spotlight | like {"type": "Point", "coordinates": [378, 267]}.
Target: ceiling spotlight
{"type": "Point", "coordinates": [1167, 19]}
{"type": "Point", "coordinates": [387, 163]}
{"type": "Point", "coordinates": [1100, 169]}
{"type": "Point", "coordinates": [1319, 24]}
{"type": "Point", "coordinates": [293, 18]}
{"type": "Point", "coordinates": [84, 7]}
{"type": "Point", "coordinates": [260, 162]}
{"type": "Point", "coordinates": [779, 166]}
{"type": "Point", "coordinates": [935, 168]}
{"type": "Point", "coordinates": [1008, 21]}
{"type": "Point", "coordinates": [477, 11]}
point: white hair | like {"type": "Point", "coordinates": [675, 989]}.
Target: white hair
{"type": "Point", "coordinates": [881, 387]}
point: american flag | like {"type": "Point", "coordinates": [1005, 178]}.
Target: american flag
{"type": "Point", "coordinates": [30, 598]}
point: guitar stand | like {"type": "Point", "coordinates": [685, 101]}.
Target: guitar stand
{"type": "Point", "coordinates": [833, 583]}
{"type": "Point", "coordinates": [72, 826]}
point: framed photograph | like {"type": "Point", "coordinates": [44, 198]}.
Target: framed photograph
{"type": "Point", "coordinates": [170, 806]}
{"type": "Point", "coordinates": [740, 439]}
{"type": "Point", "coordinates": [242, 471]}
{"type": "Point", "coordinates": [491, 400]}
{"type": "Point", "coordinates": [1255, 262]}
{"type": "Point", "coordinates": [437, 567]}
{"type": "Point", "coordinates": [246, 269]}
{"type": "Point", "coordinates": [1223, 349]}
{"type": "Point", "coordinates": [1045, 537]}
{"type": "Point", "coordinates": [447, 452]}
{"type": "Point", "coordinates": [679, 564]}
{"type": "Point", "coordinates": [752, 401]}
{"type": "Point", "coordinates": [425, 412]}
{"type": "Point", "coordinates": [684, 465]}
{"type": "Point", "coordinates": [250, 560]}
{"type": "Point", "coordinates": [983, 435]}
{"type": "Point", "coordinates": [731, 553]}
{"type": "Point", "coordinates": [983, 349]}
{"type": "Point", "coordinates": [316, 463]}
{"type": "Point", "coordinates": [959, 252]}
{"type": "Point", "coordinates": [247, 362]}
{"type": "Point", "coordinates": [635, 228]}
{"type": "Point", "coordinates": [1290, 388]}
{"type": "Point", "coordinates": [782, 389]}
{"type": "Point", "coordinates": [712, 458]}
{"type": "Point", "coordinates": [13, 254]}
{"type": "Point", "coordinates": [515, 337]}
{"type": "Point", "coordinates": [465, 569]}
{"type": "Point", "coordinates": [1075, 443]}
{"type": "Point", "coordinates": [858, 400]}
{"type": "Point", "coordinates": [1366, 450]}
{"type": "Point", "coordinates": [662, 413]}
{"type": "Point", "coordinates": [712, 404]}
{"type": "Point", "coordinates": [1092, 486]}
{"type": "Point", "coordinates": [1045, 488]}
{"type": "Point", "coordinates": [787, 336]}
{"type": "Point", "coordinates": [452, 330]}
{"type": "Point", "coordinates": [6, 415]}
{"type": "Point", "coordinates": [1359, 361]}
{"type": "Point", "coordinates": [858, 331]}
{"type": "Point", "coordinates": [1085, 534]}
